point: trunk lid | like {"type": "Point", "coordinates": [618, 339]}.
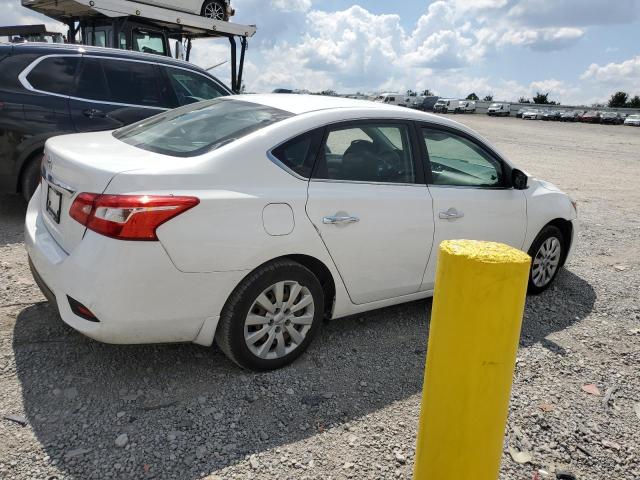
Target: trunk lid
{"type": "Point", "coordinates": [82, 163]}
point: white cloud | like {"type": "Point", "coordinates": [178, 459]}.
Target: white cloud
{"type": "Point", "coordinates": [628, 70]}
{"type": "Point", "coordinates": [545, 39]}
{"type": "Point", "coordinates": [292, 5]}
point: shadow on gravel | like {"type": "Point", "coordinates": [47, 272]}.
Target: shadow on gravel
{"type": "Point", "coordinates": [12, 211]}
{"type": "Point", "coordinates": [188, 411]}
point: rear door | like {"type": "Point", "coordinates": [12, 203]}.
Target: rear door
{"type": "Point", "coordinates": [371, 209]}
{"type": "Point", "coordinates": [471, 191]}
{"type": "Point", "coordinates": [111, 93]}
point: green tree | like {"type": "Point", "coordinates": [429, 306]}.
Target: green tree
{"type": "Point", "coordinates": [411, 93]}
{"type": "Point", "coordinates": [634, 102]}
{"type": "Point", "coordinates": [488, 98]}
{"type": "Point", "coordinates": [524, 100]}
{"type": "Point", "coordinates": [472, 96]}
{"type": "Point", "coordinates": [427, 93]}
{"type": "Point", "coordinates": [619, 99]}
{"type": "Point", "coordinates": [541, 98]}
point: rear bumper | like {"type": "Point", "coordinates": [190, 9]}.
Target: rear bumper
{"type": "Point", "coordinates": [133, 288]}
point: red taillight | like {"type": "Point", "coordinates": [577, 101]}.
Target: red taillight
{"type": "Point", "coordinates": [128, 217]}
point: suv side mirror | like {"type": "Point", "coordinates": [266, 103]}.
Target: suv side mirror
{"type": "Point", "coordinates": [519, 179]}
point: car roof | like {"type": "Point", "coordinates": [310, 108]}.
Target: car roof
{"type": "Point", "coordinates": [44, 48]}
{"type": "Point", "coordinates": [299, 104]}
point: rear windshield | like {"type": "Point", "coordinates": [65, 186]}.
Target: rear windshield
{"type": "Point", "coordinates": [200, 127]}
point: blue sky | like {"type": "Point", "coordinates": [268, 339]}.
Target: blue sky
{"type": "Point", "coordinates": [580, 51]}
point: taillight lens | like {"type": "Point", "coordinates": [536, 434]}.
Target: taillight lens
{"type": "Point", "coordinates": [128, 217]}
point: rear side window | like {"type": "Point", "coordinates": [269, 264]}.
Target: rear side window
{"type": "Point", "coordinates": [190, 87]}
{"type": "Point", "coordinates": [54, 75]}
{"type": "Point", "coordinates": [133, 83]}
{"type": "Point", "coordinates": [91, 81]}
{"type": "Point", "coordinates": [196, 129]}
{"type": "Point", "coordinates": [299, 154]}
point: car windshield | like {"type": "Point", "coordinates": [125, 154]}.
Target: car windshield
{"type": "Point", "coordinates": [634, 117]}
{"type": "Point", "coordinates": [200, 127]}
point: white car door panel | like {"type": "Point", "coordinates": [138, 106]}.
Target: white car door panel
{"type": "Point", "coordinates": [382, 236]}
{"type": "Point", "coordinates": [478, 214]}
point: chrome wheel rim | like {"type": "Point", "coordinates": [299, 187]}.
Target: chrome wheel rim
{"type": "Point", "coordinates": [214, 10]}
{"type": "Point", "coordinates": [546, 262]}
{"type": "Point", "coordinates": [279, 320]}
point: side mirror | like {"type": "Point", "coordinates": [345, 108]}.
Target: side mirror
{"type": "Point", "coordinates": [519, 179]}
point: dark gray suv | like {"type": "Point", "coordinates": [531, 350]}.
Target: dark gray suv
{"type": "Point", "coordinates": [48, 90]}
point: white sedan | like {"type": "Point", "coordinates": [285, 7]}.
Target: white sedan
{"type": "Point", "coordinates": [247, 219]}
{"type": "Point", "coordinates": [533, 114]}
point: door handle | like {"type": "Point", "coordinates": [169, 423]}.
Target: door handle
{"type": "Point", "coordinates": [450, 214]}
{"type": "Point", "coordinates": [94, 113]}
{"type": "Point", "coordinates": [336, 220]}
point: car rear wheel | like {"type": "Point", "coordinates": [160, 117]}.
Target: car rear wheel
{"type": "Point", "coordinates": [215, 9]}
{"type": "Point", "coordinates": [272, 316]}
{"type": "Point", "coordinates": [31, 176]}
{"type": "Point", "coordinates": [547, 252]}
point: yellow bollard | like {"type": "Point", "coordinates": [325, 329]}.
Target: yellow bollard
{"type": "Point", "coordinates": [473, 341]}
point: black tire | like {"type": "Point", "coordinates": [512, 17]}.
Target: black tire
{"type": "Point", "coordinates": [216, 4]}
{"type": "Point", "coordinates": [30, 177]}
{"type": "Point", "coordinates": [548, 232]}
{"type": "Point", "coordinates": [231, 328]}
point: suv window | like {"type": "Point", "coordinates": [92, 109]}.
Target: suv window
{"type": "Point", "coordinates": [133, 83]}
{"type": "Point", "coordinates": [367, 153]}
{"type": "Point", "coordinates": [457, 161]}
{"type": "Point", "coordinates": [54, 75]}
{"type": "Point", "coordinates": [92, 84]}
{"type": "Point", "coordinates": [299, 154]}
{"type": "Point", "coordinates": [190, 87]}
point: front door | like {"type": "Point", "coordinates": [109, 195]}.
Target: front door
{"type": "Point", "coordinates": [472, 196]}
{"type": "Point", "coordinates": [373, 214]}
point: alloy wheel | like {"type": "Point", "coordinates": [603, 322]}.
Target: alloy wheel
{"type": "Point", "coordinates": [279, 320]}
{"type": "Point", "coordinates": [546, 262]}
{"type": "Point", "coordinates": [214, 11]}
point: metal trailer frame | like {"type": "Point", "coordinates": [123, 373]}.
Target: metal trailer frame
{"type": "Point", "coordinates": [82, 14]}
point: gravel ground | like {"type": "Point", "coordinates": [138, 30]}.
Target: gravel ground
{"type": "Point", "coordinates": [349, 407]}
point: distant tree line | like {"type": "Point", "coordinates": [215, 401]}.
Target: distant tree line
{"type": "Point", "coordinates": [622, 100]}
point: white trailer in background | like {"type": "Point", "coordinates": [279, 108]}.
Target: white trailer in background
{"type": "Point", "coordinates": [134, 25]}
{"type": "Point", "coordinates": [393, 99]}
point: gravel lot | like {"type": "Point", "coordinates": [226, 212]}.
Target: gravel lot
{"type": "Point", "coordinates": [349, 407]}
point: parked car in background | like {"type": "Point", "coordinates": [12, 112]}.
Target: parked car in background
{"type": "Point", "coordinates": [591, 116]}
{"type": "Point", "coordinates": [392, 99]}
{"type": "Point", "coordinates": [521, 111]}
{"type": "Point", "coordinates": [184, 246]}
{"type": "Point", "coordinates": [532, 114]}
{"type": "Point", "coordinates": [499, 109]}
{"type": "Point", "coordinates": [632, 120]}
{"type": "Point", "coordinates": [465, 106]}
{"type": "Point", "coordinates": [441, 105]}
{"type": "Point", "coordinates": [215, 9]}
{"type": "Point", "coordinates": [611, 118]}
{"type": "Point", "coordinates": [426, 104]}
{"type": "Point", "coordinates": [570, 115]}
{"type": "Point", "coordinates": [48, 90]}
{"type": "Point", "coordinates": [551, 115]}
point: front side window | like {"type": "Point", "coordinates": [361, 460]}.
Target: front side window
{"type": "Point", "coordinates": [190, 87]}
{"type": "Point", "coordinates": [148, 42]}
{"type": "Point", "coordinates": [367, 153]}
{"type": "Point", "coordinates": [54, 75]}
{"type": "Point", "coordinates": [133, 83]}
{"type": "Point", "coordinates": [457, 161]}
{"type": "Point", "coordinates": [199, 128]}
{"type": "Point", "coordinates": [100, 38]}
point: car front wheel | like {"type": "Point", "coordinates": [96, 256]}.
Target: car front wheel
{"type": "Point", "coordinates": [272, 316]}
{"type": "Point", "coordinates": [546, 253]}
